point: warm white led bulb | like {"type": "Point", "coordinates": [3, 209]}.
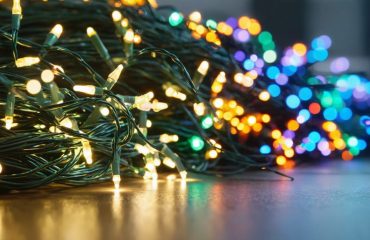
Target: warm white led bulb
{"type": "Point", "coordinates": [129, 36]}
{"type": "Point", "coordinates": [87, 152]}
{"type": "Point", "coordinates": [26, 61]}
{"type": "Point", "coordinates": [183, 175]}
{"type": "Point", "coordinates": [88, 89]}
{"type": "Point", "coordinates": [33, 86]}
{"type": "Point", "coordinates": [203, 68]}
{"type": "Point", "coordinates": [8, 122]}
{"type": "Point", "coordinates": [221, 77]}
{"type": "Point", "coordinates": [47, 76]}
{"type": "Point", "coordinates": [116, 180]}
{"type": "Point", "coordinates": [116, 16]}
{"type": "Point", "coordinates": [90, 32]}
{"type": "Point", "coordinates": [17, 9]}
{"type": "Point", "coordinates": [195, 17]}
{"type": "Point", "coordinates": [57, 30]}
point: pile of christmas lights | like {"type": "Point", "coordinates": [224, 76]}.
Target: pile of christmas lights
{"type": "Point", "coordinates": [242, 106]}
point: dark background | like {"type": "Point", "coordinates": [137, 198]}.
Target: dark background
{"type": "Point", "coordinates": [347, 22]}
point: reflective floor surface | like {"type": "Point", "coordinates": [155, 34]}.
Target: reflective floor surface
{"type": "Point", "coordinates": [329, 201]}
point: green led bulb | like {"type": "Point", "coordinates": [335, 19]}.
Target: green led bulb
{"type": "Point", "coordinates": [207, 122]}
{"type": "Point", "coordinates": [196, 143]}
{"type": "Point", "coordinates": [175, 19]}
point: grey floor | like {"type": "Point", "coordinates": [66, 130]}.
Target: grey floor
{"type": "Point", "coordinates": [327, 201]}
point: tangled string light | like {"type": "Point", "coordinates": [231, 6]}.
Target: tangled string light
{"type": "Point", "coordinates": [66, 123]}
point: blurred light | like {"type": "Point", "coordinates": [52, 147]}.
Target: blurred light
{"type": "Point", "coordinates": [339, 65]}
{"type": "Point", "coordinates": [273, 72]}
{"type": "Point", "coordinates": [321, 42]}
{"type": "Point", "coordinates": [207, 122]}
{"type": "Point", "coordinates": [270, 56]}
{"type": "Point", "coordinates": [248, 64]}
{"type": "Point", "coordinates": [175, 19]}
{"type": "Point", "coordinates": [314, 108]}
{"type": "Point", "coordinates": [212, 24]}
{"type": "Point", "coordinates": [345, 114]}
{"type": "Point", "coordinates": [241, 35]}
{"type": "Point", "coordinates": [330, 114]}
{"type": "Point", "coordinates": [274, 90]}
{"type": "Point", "coordinates": [305, 94]}
{"type": "Point", "coordinates": [293, 125]}
{"type": "Point", "coordinates": [264, 96]}
{"type": "Point", "coordinates": [303, 116]}
{"type": "Point", "coordinates": [280, 160]}
{"type": "Point", "coordinates": [300, 49]}
{"type": "Point", "coordinates": [265, 37]}
{"type": "Point", "coordinates": [239, 56]}
{"type": "Point", "coordinates": [314, 136]}
{"type": "Point", "coordinates": [244, 22]}
{"type": "Point", "coordinates": [292, 101]}
{"type": "Point", "coordinates": [265, 149]}
{"type": "Point", "coordinates": [196, 143]}
{"type": "Point", "coordinates": [282, 79]}
{"type": "Point", "coordinates": [352, 141]}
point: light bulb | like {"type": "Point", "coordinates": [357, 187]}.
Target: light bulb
{"type": "Point", "coordinates": [165, 138]}
{"type": "Point", "coordinates": [116, 16]}
{"type": "Point", "coordinates": [199, 108]}
{"type": "Point", "coordinates": [116, 180]}
{"type": "Point", "coordinates": [90, 32]}
{"type": "Point", "coordinates": [221, 77]}
{"type": "Point", "coordinates": [168, 162]}
{"type": "Point", "coordinates": [195, 17]}
{"type": "Point", "coordinates": [203, 68]}
{"type": "Point", "coordinates": [86, 149]}
{"type": "Point", "coordinates": [33, 86]}
{"type": "Point", "coordinates": [8, 122]}
{"type": "Point", "coordinates": [87, 89]}
{"type": "Point", "coordinates": [113, 77]}
{"type": "Point", "coordinates": [159, 106]}
{"type": "Point", "coordinates": [17, 9]}
{"type": "Point", "coordinates": [47, 76]}
{"type": "Point", "coordinates": [124, 23]}
{"type": "Point", "coordinates": [26, 61]}
{"type": "Point", "coordinates": [104, 111]}
{"type": "Point", "coordinates": [57, 30]}
{"type": "Point", "coordinates": [129, 36]}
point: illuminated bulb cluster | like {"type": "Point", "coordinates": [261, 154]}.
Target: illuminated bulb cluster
{"type": "Point", "coordinates": [207, 31]}
{"type": "Point", "coordinates": [166, 138]}
{"type": "Point", "coordinates": [173, 92]}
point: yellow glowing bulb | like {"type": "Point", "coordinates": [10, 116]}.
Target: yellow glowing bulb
{"type": "Point", "coordinates": [116, 180]}
{"type": "Point", "coordinates": [212, 154]}
{"type": "Point", "coordinates": [33, 86]}
{"type": "Point", "coordinates": [195, 17]}
{"type": "Point", "coordinates": [129, 36]}
{"type": "Point", "coordinates": [289, 153]}
{"type": "Point", "coordinates": [67, 123]}
{"type": "Point", "coordinates": [221, 77]}
{"type": "Point", "coordinates": [149, 123]}
{"type": "Point", "coordinates": [57, 30]}
{"type": "Point", "coordinates": [86, 149]}
{"type": "Point", "coordinates": [199, 109]}
{"type": "Point", "coordinates": [203, 68]}
{"type": "Point", "coordinates": [137, 39]}
{"type": "Point", "coordinates": [124, 23]}
{"type": "Point", "coordinates": [275, 134]}
{"type": "Point", "coordinates": [159, 106]}
{"type": "Point", "coordinates": [47, 76]}
{"type": "Point", "coordinates": [104, 111]}
{"type": "Point", "coordinates": [266, 118]}
{"type": "Point", "coordinates": [116, 16]}
{"type": "Point", "coordinates": [90, 32]}
{"type": "Point", "coordinates": [26, 61]}
{"type": "Point", "coordinates": [8, 122]}
{"type": "Point", "coordinates": [87, 89]}
{"type": "Point", "coordinates": [239, 110]}
{"type": "Point", "coordinates": [218, 102]}
{"type": "Point", "coordinates": [17, 9]}
{"type": "Point", "coordinates": [165, 138]}
{"type": "Point", "coordinates": [238, 78]}
{"type": "Point", "coordinates": [169, 163]}
{"type": "Point", "coordinates": [252, 120]}
{"type": "Point", "coordinates": [280, 160]}
{"type": "Point", "coordinates": [264, 96]}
